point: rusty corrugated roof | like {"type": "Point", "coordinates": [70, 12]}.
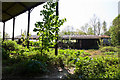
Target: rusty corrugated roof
{"type": "Point", "coordinates": [83, 37]}
{"type": "Point", "coordinates": [72, 36]}
{"type": "Point", "coordinates": [32, 36]}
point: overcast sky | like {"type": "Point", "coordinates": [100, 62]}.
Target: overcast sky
{"type": "Point", "coordinates": [77, 13]}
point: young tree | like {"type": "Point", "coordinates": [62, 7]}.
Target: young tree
{"type": "Point", "coordinates": [49, 25]}
{"type": "Point", "coordinates": [98, 27]}
{"type": "Point", "coordinates": [104, 27]}
{"type": "Point", "coordinates": [90, 31]}
{"type": "Point", "coordinates": [115, 31]}
{"type": "Point", "coordinates": [85, 28]}
{"type": "Point", "coordinates": [93, 22]}
{"type": "Point", "coordinates": [7, 35]}
{"type": "Point", "coordinates": [0, 38]}
{"type": "Point", "coordinates": [25, 33]}
{"type": "Point", "coordinates": [67, 31]}
{"type": "Point", "coordinates": [0, 34]}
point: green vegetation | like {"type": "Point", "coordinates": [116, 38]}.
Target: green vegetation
{"type": "Point", "coordinates": [46, 29]}
{"type": "Point", "coordinates": [104, 27]}
{"type": "Point", "coordinates": [97, 68]}
{"type": "Point", "coordinates": [109, 49]}
{"type": "Point", "coordinates": [29, 62]}
{"type": "Point", "coordinates": [39, 59]}
{"type": "Point", "coordinates": [10, 45]}
{"type": "Point", "coordinates": [115, 31]}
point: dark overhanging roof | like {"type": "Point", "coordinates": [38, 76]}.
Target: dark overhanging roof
{"type": "Point", "coordinates": [13, 9]}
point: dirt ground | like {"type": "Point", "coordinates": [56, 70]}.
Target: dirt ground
{"type": "Point", "coordinates": [94, 53]}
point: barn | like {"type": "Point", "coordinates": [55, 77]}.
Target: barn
{"type": "Point", "coordinates": [82, 41]}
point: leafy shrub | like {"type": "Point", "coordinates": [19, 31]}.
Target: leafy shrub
{"type": "Point", "coordinates": [67, 57]}
{"type": "Point", "coordinates": [37, 43]}
{"type": "Point", "coordinates": [30, 67]}
{"type": "Point", "coordinates": [26, 68]}
{"type": "Point", "coordinates": [10, 45]}
{"type": "Point", "coordinates": [87, 54]}
{"type": "Point", "coordinates": [110, 53]}
{"type": "Point", "coordinates": [97, 68]}
{"type": "Point", "coordinates": [115, 31]}
{"type": "Point", "coordinates": [5, 54]}
{"type": "Point", "coordinates": [109, 49]}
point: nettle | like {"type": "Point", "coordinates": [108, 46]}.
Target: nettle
{"type": "Point", "coordinates": [47, 28]}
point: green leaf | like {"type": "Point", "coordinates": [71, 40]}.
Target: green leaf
{"type": "Point", "coordinates": [35, 30]}
{"type": "Point", "coordinates": [38, 33]}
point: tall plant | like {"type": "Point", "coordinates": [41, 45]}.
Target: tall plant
{"type": "Point", "coordinates": [47, 28]}
{"type": "Point", "coordinates": [115, 31]}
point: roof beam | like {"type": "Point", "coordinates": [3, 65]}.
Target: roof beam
{"type": "Point", "coordinates": [10, 6]}
{"type": "Point", "coordinates": [22, 5]}
{"type": "Point", "coordinates": [7, 13]}
{"type": "Point", "coordinates": [4, 20]}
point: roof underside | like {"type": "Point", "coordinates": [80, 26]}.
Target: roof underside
{"type": "Point", "coordinates": [13, 9]}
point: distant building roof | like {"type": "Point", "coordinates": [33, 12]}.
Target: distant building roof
{"type": "Point", "coordinates": [71, 36]}
{"type": "Point", "coordinates": [83, 36]}
{"type": "Point", "coordinates": [31, 37]}
{"type": "Point", "coordinates": [104, 36]}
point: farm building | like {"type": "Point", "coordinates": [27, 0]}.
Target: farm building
{"type": "Point", "coordinates": [82, 41]}
{"type": "Point", "coordinates": [77, 41]}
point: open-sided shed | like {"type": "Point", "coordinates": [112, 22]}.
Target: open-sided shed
{"type": "Point", "coordinates": [12, 9]}
{"type": "Point", "coordinates": [82, 41]}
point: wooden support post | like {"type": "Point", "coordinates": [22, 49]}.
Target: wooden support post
{"type": "Point", "coordinates": [4, 31]}
{"type": "Point", "coordinates": [13, 28]}
{"type": "Point", "coordinates": [28, 28]}
{"type": "Point", "coordinates": [56, 46]}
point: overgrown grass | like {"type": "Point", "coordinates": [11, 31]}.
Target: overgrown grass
{"type": "Point", "coordinates": [101, 68]}
{"type": "Point", "coordinates": [109, 49]}
{"type": "Point", "coordinates": [30, 62]}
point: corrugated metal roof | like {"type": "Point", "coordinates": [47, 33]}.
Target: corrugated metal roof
{"type": "Point", "coordinates": [32, 37]}
{"type": "Point", "coordinates": [83, 37]}
{"type": "Point", "coordinates": [72, 36]}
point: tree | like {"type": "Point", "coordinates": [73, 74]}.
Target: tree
{"type": "Point", "coordinates": [47, 28]}
{"type": "Point", "coordinates": [98, 27]}
{"type": "Point", "coordinates": [84, 28]}
{"type": "Point", "coordinates": [90, 31]}
{"type": "Point", "coordinates": [25, 33]}
{"type": "Point", "coordinates": [79, 32]}
{"type": "Point", "coordinates": [7, 35]}
{"type": "Point", "coordinates": [0, 39]}
{"type": "Point", "coordinates": [67, 31]}
{"type": "Point", "coordinates": [107, 33]}
{"type": "Point", "coordinates": [0, 34]}
{"type": "Point", "coordinates": [93, 22]}
{"type": "Point", "coordinates": [104, 27]}
{"type": "Point", "coordinates": [115, 31]}
{"type": "Point", "coordinates": [96, 24]}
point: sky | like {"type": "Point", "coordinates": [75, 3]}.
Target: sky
{"type": "Point", "coordinates": [77, 13]}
